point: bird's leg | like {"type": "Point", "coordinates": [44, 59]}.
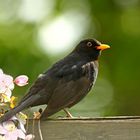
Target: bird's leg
{"type": "Point", "coordinates": [68, 113]}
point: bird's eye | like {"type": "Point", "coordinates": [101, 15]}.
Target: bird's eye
{"type": "Point", "coordinates": [89, 44]}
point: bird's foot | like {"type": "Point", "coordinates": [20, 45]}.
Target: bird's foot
{"type": "Point", "coordinates": [37, 115]}
{"type": "Point", "coordinates": [69, 115]}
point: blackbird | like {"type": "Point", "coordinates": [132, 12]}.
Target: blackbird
{"type": "Point", "coordinates": [65, 83]}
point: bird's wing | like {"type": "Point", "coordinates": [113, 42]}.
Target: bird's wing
{"type": "Point", "coordinates": [36, 88]}
{"type": "Point", "coordinates": [71, 86]}
{"type": "Point", "coordinates": [46, 82]}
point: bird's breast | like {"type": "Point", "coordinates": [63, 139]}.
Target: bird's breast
{"type": "Point", "coordinates": [90, 70]}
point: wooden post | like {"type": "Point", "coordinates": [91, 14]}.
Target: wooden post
{"type": "Point", "coordinates": [109, 128]}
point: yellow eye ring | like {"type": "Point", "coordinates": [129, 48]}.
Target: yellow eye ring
{"type": "Point", "coordinates": [89, 44]}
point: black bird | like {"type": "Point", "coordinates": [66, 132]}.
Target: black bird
{"type": "Point", "coordinates": [66, 83]}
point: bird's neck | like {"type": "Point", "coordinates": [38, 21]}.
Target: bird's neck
{"type": "Point", "coordinates": [90, 57]}
{"type": "Point", "coordinates": [83, 59]}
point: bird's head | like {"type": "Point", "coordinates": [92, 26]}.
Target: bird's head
{"type": "Point", "coordinates": [91, 48]}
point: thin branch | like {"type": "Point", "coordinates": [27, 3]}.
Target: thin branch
{"type": "Point", "coordinates": [39, 129]}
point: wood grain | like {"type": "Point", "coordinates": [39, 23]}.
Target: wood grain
{"type": "Point", "coordinates": [108, 128]}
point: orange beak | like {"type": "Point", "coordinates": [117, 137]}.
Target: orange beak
{"type": "Point", "coordinates": [102, 47]}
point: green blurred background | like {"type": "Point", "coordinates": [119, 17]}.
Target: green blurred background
{"type": "Point", "coordinates": [36, 33]}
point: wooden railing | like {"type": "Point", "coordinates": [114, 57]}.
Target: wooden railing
{"type": "Point", "coordinates": [109, 128]}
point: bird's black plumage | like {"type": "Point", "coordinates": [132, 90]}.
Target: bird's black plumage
{"type": "Point", "coordinates": [65, 83]}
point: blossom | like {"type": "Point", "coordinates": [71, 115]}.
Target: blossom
{"type": "Point", "coordinates": [21, 80]}
{"type": "Point", "coordinates": [14, 128]}
{"type": "Point", "coordinates": [10, 131]}
{"type": "Point", "coordinates": [6, 84]}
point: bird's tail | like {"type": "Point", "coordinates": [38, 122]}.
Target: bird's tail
{"type": "Point", "coordinates": [27, 103]}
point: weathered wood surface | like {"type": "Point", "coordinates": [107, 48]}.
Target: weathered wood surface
{"type": "Point", "coordinates": [110, 128]}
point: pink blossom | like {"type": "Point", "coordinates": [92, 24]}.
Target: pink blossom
{"type": "Point", "coordinates": [21, 80]}
{"type": "Point", "coordinates": [6, 84]}
{"type": "Point", "coordinates": [10, 131]}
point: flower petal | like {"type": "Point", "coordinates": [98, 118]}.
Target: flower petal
{"type": "Point", "coordinates": [8, 81]}
{"type": "Point", "coordinates": [13, 118]}
{"type": "Point", "coordinates": [2, 130]}
{"type": "Point", "coordinates": [22, 126]}
{"type": "Point", "coordinates": [2, 137]}
{"type": "Point", "coordinates": [21, 80]}
{"type": "Point", "coordinates": [11, 136]}
{"type": "Point", "coordinates": [1, 71]}
{"type": "Point", "coordinates": [11, 86]}
{"type": "Point", "coordinates": [8, 93]}
{"type": "Point", "coordinates": [2, 87]}
{"type": "Point", "coordinates": [29, 137]}
{"type": "Point", "coordinates": [20, 134]}
{"type": "Point", "coordinates": [9, 126]}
